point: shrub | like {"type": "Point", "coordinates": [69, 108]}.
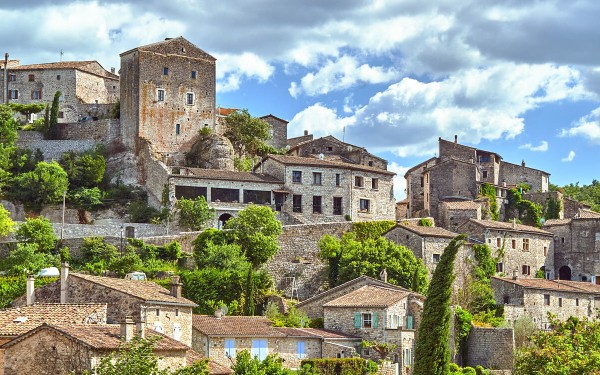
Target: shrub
{"type": "Point", "coordinates": [140, 212]}
{"type": "Point", "coordinates": [38, 231]}
{"type": "Point", "coordinates": [341, 366]}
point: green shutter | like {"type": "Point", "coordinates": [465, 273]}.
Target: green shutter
{"type": "Point", "coordinates": [375, 320]}
{"type": "Point", "coordinates": [357, 320]}
{"type": "Point", "coordinates": [409, 322]}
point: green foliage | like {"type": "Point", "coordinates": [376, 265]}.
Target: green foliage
{"type": "Point", "coordinates": [46, 184]}
{"type": "Point", "coordinates": [293, 318]}
{"type": "Point", "coordinates": [25, 160]}
{"type": "Point", "coordinates": [489, 191]}
{"type": "Point", "coordinates": [140, 212]}
{"type": "Point", "coordinates": [384, 349]}
{"type": "Point", "coordinates": [26, 259]}
{"type": "Point", "coordinates": [372, 367]}
{"type": "Point", "coordinates": [540, 274]}
{"type": "Point", "coordinates": [7, 226]}
{"type": "Point", "coordinates": [86, 198]}
{"type": "Point", "coordinates": [317, 323]}
{"type": "Point", "coordinates": [524, 328]}
{"type": "Point", "coordinates": [205, 132]}
{"type": "Point", "coordinates": [210, 236]}
{"type": "Point", "coordinates": [479, 285]}
{"type": "Point", "coordinates": [456, 370]}
{"type": "Point", "coordinates": [571, 347]}
{"type": "Point", "coordinates": [12, 287]}
{"type": "Point", "coordinates": [8, 136]}
{"type": "Point", "coordinates": [552, 209]}
{"type": "Point", "coordinates": [523, 187]}
{"type": "Point", "coordinates": [341, 366]}
{"type": "Point", "coordinates": [168, 252]}
{"type": "Point", "coordinates": [256, 230]}
{"type": "Point", "coordinates": [53, 122]}
{"type": "Point", "coordinates": [246, 365]}
{"type": "Point", "coordinates": [349, 258]}
{"type": "Point", "coordinates": [85, 170]}
{"type": "Point", "coordinates": [371, 229]}
{"type": "Point", "coordinates": [27, 109]}
{"type": "Point", "coordinates": [130, 261]}
{"type": "Point", "coordinates": [432, 355]}
{"type": "Point", "coordinates": [589, 194]}
{"type": "Point", "coordinates": [97, 250]}
{"type": "Point", "coordinates": [194, 214]}
{"type": "Point", "coordinates": [64, 254]}
{"type": "Point", "coordinates": [425, 222]}
{"type": "Point", "coordinates": [528, 212]}
{"type": "Point", "coordinates": [462, 326]}
{"type": "Point", "coordinates": [115, 111]}
{"type": "Point", "coordinates": [489, 318]}
{"type": "Point", "coordinates": [37, 231]}
{"type": "Point", "coordinates": [246, 133]}
{"type": "Point", "coordinates": [243, 164]}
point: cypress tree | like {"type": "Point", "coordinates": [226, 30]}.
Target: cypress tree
{"type": "Point", "coordinates": [432, 356]}
{"type": "Point", "coordinates": [54, 116]}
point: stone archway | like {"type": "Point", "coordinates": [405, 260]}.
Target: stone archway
{"type": "Point", "coordinates": [564, 273]}
{"type": "Point", "coordinates": [223, 219]}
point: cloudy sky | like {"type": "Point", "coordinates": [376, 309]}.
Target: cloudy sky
{"type": "Point", "coordinates": [519, 77]}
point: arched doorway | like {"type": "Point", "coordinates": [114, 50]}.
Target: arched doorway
{"type": "Point", "coordinates": [223, 219]}
{"type": "Point", "coordinates": [564, 273]}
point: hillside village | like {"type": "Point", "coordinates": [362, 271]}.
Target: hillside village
{"type": "Point", "coordinates": [157, 120]}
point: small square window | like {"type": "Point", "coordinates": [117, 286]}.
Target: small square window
{"type": "Point", "coordinates": [338, 179]}
{"type": "Point", "coordinates": [358, 181]}
{"type": "Point", "coordinates": [31, 78]}
{"type": "Point", "coordinates": [329, 148]}
{"type": "Point", "coordinates": [189, 98]}
{"type": "Point", "coordinates": [12, 77]}
{"type": "Point", "coordinates": [370, 163]}
{"type": "Point", "coordinates": [547, 299]}
{"type": "Point", "coordinates": [525, 244]}
{"type": "Point", "coordinates": [436, 258]}
{"type": "Point", "coordinates": [193, 74]}
{"type": "Point", "coordinates": [526, 270]}
{"type": "Point", "coordinates": [375, 183]}
{"type": "Point", "coordinates": [160, 95]}
{"type": "Point", "coordinates": [317, 178]}
{"type": "Point", "coordinates": [485, 174]}
{"type": "Point", "coordinates": [58, 77]}
{"type": "Point", "coordinates": [367, 320]}
{"type": "Point", "coordinates": [61, 114]}
{"type": "Point", "coordinates": [36, 94]}
{"type": "Point", "coordinates": [297, 177]}
{"type": "Point", "coordinates": [165, 71]}
{"type": "Point", "coordinates": [499, 267]}
{"type": "Point", "coordinates": [13, 94]}
{"type": "Point", "coordinates": [365, 205]}
{"type": "Point", "coordinates": [506, 300]}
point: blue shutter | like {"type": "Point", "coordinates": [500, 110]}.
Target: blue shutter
{"type": "Point", "coordinates": [357, 320]}
{"type": "Point", "coordinates": [409, 322]}
{"type": "Point", "coordinates": [375, 320]}
{"type": "Point", "coordinates": [300, 350]}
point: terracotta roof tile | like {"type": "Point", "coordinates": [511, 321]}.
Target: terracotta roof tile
{"type": "Point", "coordinates": [551, 222]}
{"type": "Point", "coordinates": [18, 320]}
{"type": "Point", "coordinates": [429, 231]}
{"type": "Point", "coordinates": [79, 65]}
{"type": "Point", "coordinates": [499, 225]}
{"type": "Point", "coordinates": [554, 285]}
{"type": "Point", "coordinates": [462, 205]}
{"type": "Point", "coordinates": [217, 174]}
{"type": "Point", "coordinates": [369, 296]}
{"type": "Point", "coordinates": [587, 214]}
{"type": "Point", "coordinates": [314, 333]}
{"type": "Point", "coordinates": [238, 326]}
{"type": "Point", "coordinates": [146, 290]}
{"type": "Point", "coordinates": [305, 161]}
{"type": "Point", "coordinates": [192, 356]}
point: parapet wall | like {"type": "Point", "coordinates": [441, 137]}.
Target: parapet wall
{"type": "Point", "coordinates": [491, 348]}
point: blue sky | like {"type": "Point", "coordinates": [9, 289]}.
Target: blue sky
{"type": "Point", "coordinates": [518, 77]}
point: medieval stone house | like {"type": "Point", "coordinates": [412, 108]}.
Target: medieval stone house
{"type": "Point", "coordinates": [457, 173]}
{"type": "Point", "coordinates": [86, 87]}
{"type": "Point", "coordinates": [278, 131]}
{"type": "Point", "coordinates": [535, 298]}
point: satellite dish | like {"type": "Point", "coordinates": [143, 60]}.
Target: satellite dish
{"type": "Point", "coordinates": [224, 309]}
{"type": "Point", "coordinates": [321, 156]}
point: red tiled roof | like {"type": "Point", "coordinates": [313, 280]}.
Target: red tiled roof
{"type": "Point", "coordinates": [369, 296]}
{"type": "Point", "coordinates": [18, 320]}
{"type": "Point", "coordinates": [551, 222]}
{"type": "Point", "coordinates": [554, 285]}
{"type": "Point", "coordinates": [225, 111]}
{"type": "Point", "coordinates": [236, 326]}
{"type": "Point", "coordinates": [217, 174]}
{"type": "Point", "coordinates": [499, 225]}
{"type": "Point", "coordinates": [314, 333]}
{"type": "Point", "coordinates": [79, 65]}
{"type": "Point", "coordinates": [587, 214]}
{"type": "Point", "coordinates": [462, 205]}
{"type": "Point", "coordinates": [304, 161]}
{"type": "Point", "coordinates": [145, 290]}
{"type": "Point", "coordinates": [428, 231]}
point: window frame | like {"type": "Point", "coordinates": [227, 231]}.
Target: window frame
{"type": "Point", "coordinates": [300, 349]}
{"type": "Point", "coordinates": [317, 204]}
{"type": "Point", "coordinates": [375, 184]}
{"type": "Point", "coordinates": [546, 299]}
{"type": "Point", "coordinates": [317, 178]}
{"type": "Point", "coordinates": [160, 95]}
{"type": "Point", "coordinates": [338, 179]}
{"type": "Point", "coordinates": [364, 205]}
{"type": "Point", "coordinates": [258, 350]}
{"type": "Point", "coordinates": [296, 177]}
{"type": "Point", "coordinates": [337, 211]}
{"type": "Point", "coordinates": [31, 78]}
{"type": "Point", "coordinates": [230, 348]}
{"type": "Point", "coordinates": [165, 71]}
{"type": "Point", "coordinates": [189, 95]}
{"type": "Point", "coordinates": [13, 94]}
{"type": "Point", "coordinates": [366, 320]}
{"type": "Point", "coordinates": [297, 206]}
{"type": "Point", "coordinates": [359, 181]}
{"type": "Point", "coordinates": [194, 74]}
{"type": "Point", "coordinates": [526, 269]}
{"type": "Point", "coordinates": [525, 244]}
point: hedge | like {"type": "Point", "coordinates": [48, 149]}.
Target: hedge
{"type": "Point", "coordinates": [337, 366]}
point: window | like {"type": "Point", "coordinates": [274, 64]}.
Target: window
{"type": "Point", "coordinates": [525, 269]}
{"type": "Point", "coordinates": [338, 179]}
{"type": "Point", "coordinates": [409, 322]}
{"type": "Point", "coordinates": [365, 205]}
{"type": "Point", "coordinates": [422, 181]}
{"type": "Point", "coordinates": [257, 196]}
{"type": "Point", "coordinates": [329, 148]}
{"type": "Point", "coordinates": [160, 95]}
{"type": "Point", "coordinates": [597, 236]}
{"type": "Point", "coordinates": [436, 258]}
{"type": "Point", "coordinates": [259, 349]}
{"type": "Point", "coordinates": [177, 331]}
{"type": "Point", "coordinates": [224, 195]}
{"type": "Point", "coordinates": [358, 181]}
{"type": "Point", "coordinates": [499, 267]}
{"type": "Point", "coordinates": [189, 98]}
{"type": "Point", "coordinates": [165, 71]}
{"type": "Point", "coordinates": [366, 352]}
{"type": "Point", "coordinates": [317, 178]}
{"type": "Point", "coordinates": [484, 174]}
{"type": "Point", "coordinates": [547, 299]}
{"type": "Point", "coordinates": [177, 128]}
{"type": "Point", "coordinates": [58, 77]}
{"type": "Point", "coordinates": [317, 205]}
{"type": "Point", "coordinates": [194, 74]}
{"type": "Point", "coordinates": [31, 77]}
{"type": "Point", "coordinates": [506, 300]}
{"type": "Point", "coordinates": [157, 312]}
{"type": "Point", "coordinates": [13, 94]}
{"type": "Point", "coordinates": [498, 242]}
{"type": "Point", "coordinates": [36, 94]}
{"type": "Point", "coordinates": [158, 327]}
{"type": "Point", "coordinates": [12, 77]}
{"type": "Point", "coordinates": [375, 183]}
{"type": "Point", "coordinates": [297, 177]}
{"type": "Point", "coordinates": [514, 244]}
{"type": "Point", "coordinates": [525, 244]}
{"type": "Point", "coordinates": [337, 205]}
{"type": "Point", "coordinates": [300, 353]}
{"type": "Point", "coordinates": [230, 348]}
{"type": "Point", "coordinates": [297, 203]}
{"type": "Point", "coordinates": [576, 301]}
{"type": "Point", "coordinates": [61, 114]}
{"type": "Point", "coordinates": [559, 302]}
{"type": "Point", "coordinates": [176, 312]}
{"type": "Point", "coordinates": [367, 320]}
{"type": "Point", "coordinates": [545, 250]}
{"type": "Point", "coordinates": [370, 163]}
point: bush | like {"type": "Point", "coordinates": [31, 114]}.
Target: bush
{"type": "Point", "coordinates": [96, 249]}
{"type": "Point", "coordinates": [38, 231]}
{"type": "Point", "coordinates": [140, 212]}
{"type": "Point", "coordinates": [341, 366]}
{"type": "Point", "coordinates": [371, 229]}
{"type": "Point", "coordinates": [12, 287]}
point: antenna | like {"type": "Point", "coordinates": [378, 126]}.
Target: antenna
{"type": "Point", "coordinates": [61, 54]}
{"type": "Point", "coordinates": [344, 134]}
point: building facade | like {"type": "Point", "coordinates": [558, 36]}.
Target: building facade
{"type": "Point", "coordinates": [278, 131]}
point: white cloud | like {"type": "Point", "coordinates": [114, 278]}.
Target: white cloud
{"type": "Point", "coordinates": [318, 120]}
{"type": "Point", "coordinates": [232, 69]}
{"type": "Point", "coordinates": [587, 127]}
{"type": "Point", "coordinates": [341, 74]}
{"type": "Point", "coordinates": [569, 157]}
{"type": "Point", "coordinates": [543, 146]}
{"type": "Point", "coordinates": [399, 181]}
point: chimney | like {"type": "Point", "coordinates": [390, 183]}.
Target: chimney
{"type": "Point", "coordinates": [140, 329]}
{"type": "Point", "coordinates": [218, 313]}
{"type": "Point", "coordinates": [515, 275]}
{"type": "Point", "coordinates": [383, 275]}
{"type": "Point", "coordinates": [64, 278]}
{"type": "Point", "coordinates": [455, 138]}
{"type": "Point", "coordinates": [175, 287]}
{"type": "Point", "coordinates": [30, 293]}
{"type": "Point", "coordinates": [127, 329]}
{"type": "Point", "coordinates": [523, 163]}
{"type": "Point", "coordinates": [112, 70]}
{"type": "Point", "coordinates": [514, 222]}
{"type": "Point", "coordinates": [503, 183]}
{"type": "Point", "coordinates": [306, 132]}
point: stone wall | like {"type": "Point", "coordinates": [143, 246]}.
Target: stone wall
{"type": "Point", "coordinates": [168, 317]}
{"type": "Point", "coordinates": [279, 131]}
{"type": "Point", "coordinates": [52, 149]}
{"type": "Point", "coordinates": [514, 174]}
{"type": "Point", "coordinates": [153, 174]}
{"type": "Point", "coordinates": [105, 131]}
{"type": "Point", "coordinates": [341, 348]}
{"type": "Point", "coordinates": [491, 348]}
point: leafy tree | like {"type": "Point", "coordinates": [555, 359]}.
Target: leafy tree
{"type": "Point", "coordinates": [194, 214]}
{"type": "Point", "coordinates": [25, 160]}
{"type": "Point", "coordinates": [246, 133]}
{"type": "Point", "coordinates": [571, 347]}
{"type": "Point", "coordinates": [27, 109]}
{"type": "Point", "coordinates": [46, 184]}
{"type": "Point", "coordinates": [167, 252]}
{"type": "Point", "coordinates": [53, 122]}
{"type": "Point", "coordinates": [293, 318]}
{"type": "Point", "coordinates": [8, 136]}
{"type": "Point", "coordinates": [130, 261]}
{"type": "Point", "coordinates": [140, 212]}
{"type": "Point", "coordinates": [86, 198]}
{"type": "Point", "coordinates": [26, 259]}
{"type": "Point", "coordinates": [246, 365]}
{"type": "Point", "coordinates": [84, 170]}
{"type": "Point", "coordinates": [6, 224]}
{"type": "Point", "coordinates": [226, 256]}
{"type": "Point", "coordinates": [38, 231]}
{"type": "Point", "coordinates": [96, 249]}
{"type": "Point", "coordinates": [432, 356]}
{"type": "Point", "coordinates": [384, 349]}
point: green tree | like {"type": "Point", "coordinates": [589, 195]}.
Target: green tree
{"type": "Point", "coordinates": [26, 259]}
{"type": "Point", "coordinates": [37, 231]}
{"type": "Point", "coordinates": [7, 226]}
{"type": "Point", "coordinates": [8, 136]}
{"type": "Point", "coordinates": [27, 109]}
{"type": "Point", "coordinates": [86, 198]}
{"type": "Point", "coordinates": [96, 249]}
{"type": "Point", "coordinates": [194, 214]}
{"type": "Point", "coordinates": [245, 364]}
{"type": "Point", "coordinates": [432, 356]}
{"type": "Point", "coordinates": [85, 170]}
{"type": "Point", "coordinates": [570, 347]}
{"type": "Point", "coordinates": [246, 133]}
{"type": "Point", "coordinates": [25, 160]}
{"type": "Point", "coordinates": [53, 122]}
{"type": "Point", "coordinates": [46, 184]}
{"type": "Point", "coordinates": [384, 349]}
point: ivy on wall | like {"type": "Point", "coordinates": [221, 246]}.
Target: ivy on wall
{"type": "Point", "coordinates": [489, 191]}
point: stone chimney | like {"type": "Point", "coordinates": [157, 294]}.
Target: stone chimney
{"type": "Point", "coordinates": [30, 290]}
{"type": "Point", "coordinates": [175, 287]}
{"type": "Point", "coordinates": [383, 275]}
{"type": "Point", "coordinates": [112, 70]}
{"type": "Point", "coordinates": [503, 183]}
{"type": "Point", "coordinates": [140, 328]}
{"type": "Point", "coordinates": [514, 223]}
{"type": "Point", "coordinates": [306, 132]}
{"type": "Point", "coordinates": [523, 163]}
{"type": "Point", "coordinates": [64, 278]}
{"type": "Point", "coordinates": [127, 329]}
{"type": "Point", "coordinates": [218, 313]}
{"type": "Point", "coordinates": [455, 138]}
{"type": "Point", "coordinates": [515, 275]}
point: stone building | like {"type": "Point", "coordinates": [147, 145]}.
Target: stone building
{"type": "Point", "coordinates": [576, 246]}
{"type": "Point", "coordinates": [401, 209]}
{"type": "Point", "coordinates": [535, 298]}
{"type": "Point", "coordinates": [331, 148]}
{"type": "Point", "coordinates": [67, 349]}
{"type": "Point", "coordinates": [278, 131]}
{"type": "Point", "coordinates": [167, 95]}
{"type": "Point", "coordinates": [86, 87]}
{"type": "Point", "coordinates": [454, 214]}
{"type": "Point", "coordinates": [292, 142]}
{"type": "Point", "coordinates": [222, 338]}
{"type": "Point", "coordinates": [162, 310]}
{"type": "Point", "coordinates": [521, 248]}
{"type": "Point", "coordinates": [457, 173]}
